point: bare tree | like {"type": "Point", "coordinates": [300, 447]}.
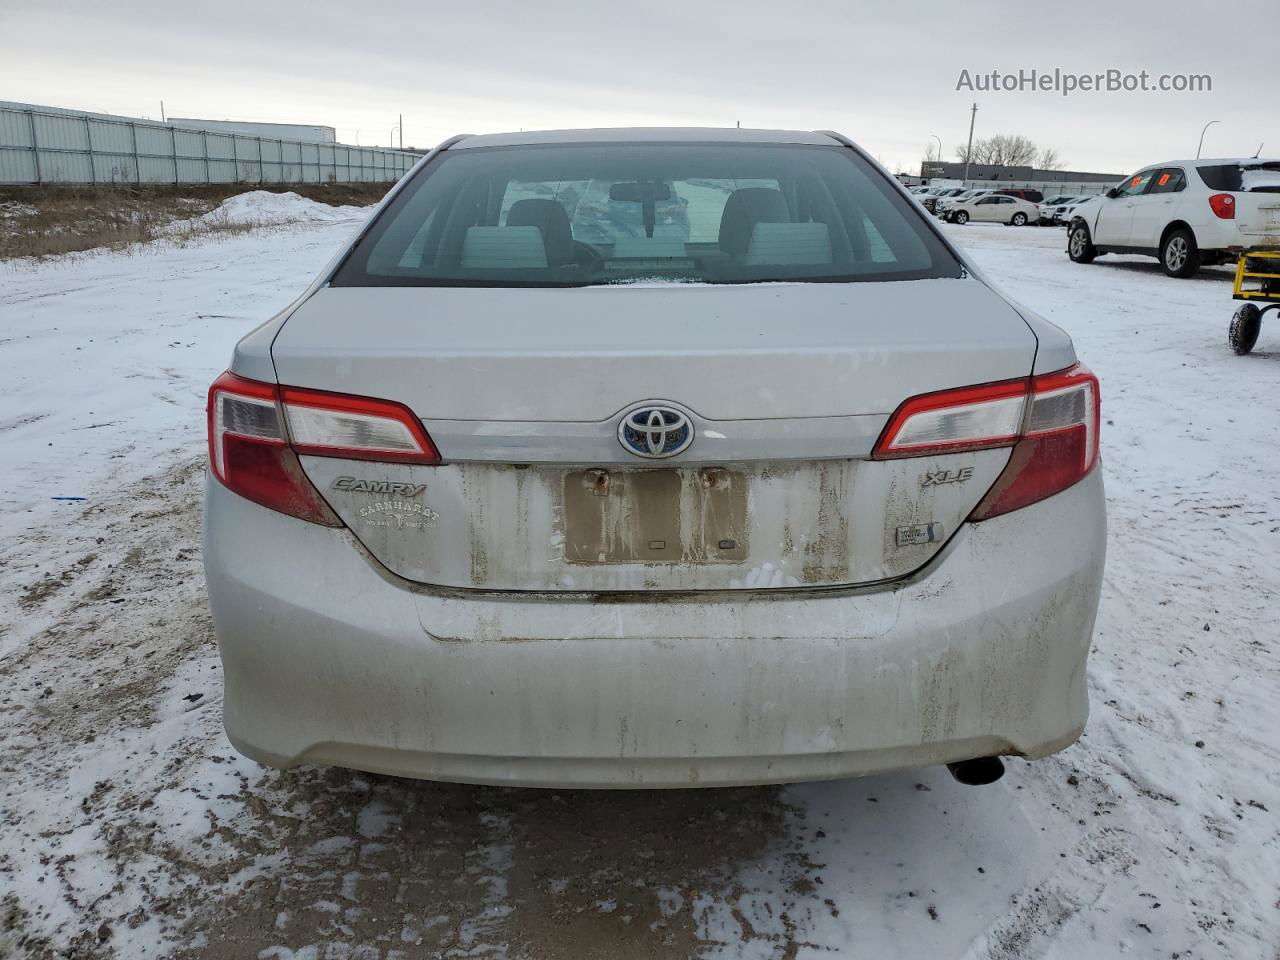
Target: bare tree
{"type": "Point", "coordinates": [1009, 150]}
{"type": "Point", "coordinates": [1049, 160]}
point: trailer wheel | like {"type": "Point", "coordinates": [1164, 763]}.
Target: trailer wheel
{"type": "Point", "coordinates": [1245, 326]}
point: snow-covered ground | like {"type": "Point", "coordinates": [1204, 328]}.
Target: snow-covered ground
{"type": "Point", "coordinates": [130, 828]}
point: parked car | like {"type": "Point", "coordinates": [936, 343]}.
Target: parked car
{"type": "Point", "coordinates": [1068, 210]}
{"type": "Point", "coordinates": [1186, 213]}
{"type": "Point", "coordinates": [493, 503]}
{"type": "Point", "coordinates": [996, 207]}
{"type": "Point", "coordinates": [930, 201]}
{"type": "Point", "coordinates": [1049, 205]}
{"type": "Point", "coordinates": [1023, 193]}
{"type": "Point", "coordinates": [940, 208]}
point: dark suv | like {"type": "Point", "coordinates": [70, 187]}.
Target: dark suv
{"type": "Point", "coordinates": [1034, 196]}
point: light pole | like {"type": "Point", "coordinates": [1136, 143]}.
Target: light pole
{"type": "Point", "coordinates": [939, 139]}
{"type": "Point", "coordinates": [391, 140]}
{"type": "Point", "coordinates": [1206, 127]}
{"type": "Point", "coordinates": [968, 152]}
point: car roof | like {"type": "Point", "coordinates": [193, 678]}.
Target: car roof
{"type": "Point", "coordinates": [1204, 162]}
{"type": "Point", "coordinates": [645, 135]}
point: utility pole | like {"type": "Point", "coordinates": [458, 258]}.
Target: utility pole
{"type": "Point", "coordinates": [968, 152]}
{"type": "Point", "coordinates": [401, 125]}
{"type": "Point", "coordinates": [162, 111]}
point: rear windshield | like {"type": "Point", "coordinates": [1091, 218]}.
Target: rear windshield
{"type": "Point", "coordinates": [1260, 175]}
{"type": "Point", "coordinates": [586, 214]}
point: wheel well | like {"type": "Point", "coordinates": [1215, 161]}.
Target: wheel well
{"type": "Point", "coordinates": [1177, 225]}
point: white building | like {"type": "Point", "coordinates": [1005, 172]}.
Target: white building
{"type": "Point", "coordinates": [310, 133]}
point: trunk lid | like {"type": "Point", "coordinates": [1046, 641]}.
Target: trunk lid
{"type": "Point", "coordinates": [786, 386]}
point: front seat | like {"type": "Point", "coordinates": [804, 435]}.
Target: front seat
{"type": "Point", "coordinates": [552, 222]}
{"type": "Point", "coordinates": [743, 210]}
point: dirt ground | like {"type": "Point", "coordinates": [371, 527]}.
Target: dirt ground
{"type": "Point", "coordinates": [377, 863]}
{"type": "Point", "coordinates": [49, 221]}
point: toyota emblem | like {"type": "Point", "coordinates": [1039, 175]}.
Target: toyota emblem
{"type": "Point", "coordinates": [655, 431]}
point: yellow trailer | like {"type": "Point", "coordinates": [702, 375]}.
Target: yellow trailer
{"type": "Point", "coordinates": [1257, 283]}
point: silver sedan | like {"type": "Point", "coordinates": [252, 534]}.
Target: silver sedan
{"type": "Point", "coordinates": [631, 458]}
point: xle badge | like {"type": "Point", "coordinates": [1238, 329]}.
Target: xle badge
{"type": "Point", "coordinates": [936, 477]}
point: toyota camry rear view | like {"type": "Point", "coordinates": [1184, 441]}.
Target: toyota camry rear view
{"type": "Point", "coordinates": [661, 457]}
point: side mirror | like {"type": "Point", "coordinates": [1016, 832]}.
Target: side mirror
{"type": "Point", "coordinates": [1112, 193]}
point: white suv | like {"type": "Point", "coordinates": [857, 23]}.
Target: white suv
{"type": "Point", "coordinates": [1187, 213]}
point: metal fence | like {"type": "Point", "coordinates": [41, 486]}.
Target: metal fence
{"type": "Point", "coordinates": [50, 145]}
{"type": "Point", "coordinates": [1050, 188]}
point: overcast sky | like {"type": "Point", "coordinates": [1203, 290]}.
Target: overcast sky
{"type": "Point", "coordinates": [885, 74]}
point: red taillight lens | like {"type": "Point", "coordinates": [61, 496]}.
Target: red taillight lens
{"type": "Point", "coordinates": [1059, 445]}
{"type": "Point", "coordinates": [1051, 422]}
{"type": "Point", "coordinates": [257, 430]}
{"type": "Point", "coordinates": [1223, 206]}
{"type": "Point", "coordinates": [249, 454]}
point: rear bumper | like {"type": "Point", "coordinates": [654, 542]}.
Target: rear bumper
{"type": "Point", "coordinates": [330, 659]}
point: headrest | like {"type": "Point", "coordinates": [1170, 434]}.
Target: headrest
{"type": "Point", "coordinates": [551, 219]}
{"type": "Point", "coordinates": [789, 244]}
{"type": "Point", "coordinates": [743, 210]}
{"type": "Point", "coordinates": [494, 248]}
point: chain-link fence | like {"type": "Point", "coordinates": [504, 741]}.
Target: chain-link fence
{"type": "Point", "coordinates": [41, 145]}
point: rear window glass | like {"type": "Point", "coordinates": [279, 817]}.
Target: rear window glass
{"type": "Point", "coordinates": [1221, 176]}
{"type": "Point", "coordinates": [1253, 176]}
{"type": "Point", "coordinates": [585, 214]}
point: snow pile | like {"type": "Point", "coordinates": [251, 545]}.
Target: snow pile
{"type": "Point", "coordinates": [259, 207]}
{"type": "Point", "coordinates": [16, 210]}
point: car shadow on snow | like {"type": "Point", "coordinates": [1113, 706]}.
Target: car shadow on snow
{"type": "Point", "coordinates": [1150, 267]}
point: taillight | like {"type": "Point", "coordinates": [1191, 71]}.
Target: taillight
{"type": "Point", "coordinates": [1051, 421]}
{"type": "Point", "coordinates": [355, 428]}
{"type": "Point", "coordinates": [1223, 206]}
{"type": "Point", "coordinates": [250, 455]}
{"type": "Point", "coordinates": [257, 430]}
{"type": "Point", "coordinates": [949, 421]}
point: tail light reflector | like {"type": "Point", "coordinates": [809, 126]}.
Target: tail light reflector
{"type": "Point", "coordinates": [257, 430]}
{"type": "Point", "coordinates": [1050, 421]}
{"type": "Point", "coordinates": [1223, 206]}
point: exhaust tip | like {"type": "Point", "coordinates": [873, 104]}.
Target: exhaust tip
{"type": "Point", "coordinates": [977, 772]}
